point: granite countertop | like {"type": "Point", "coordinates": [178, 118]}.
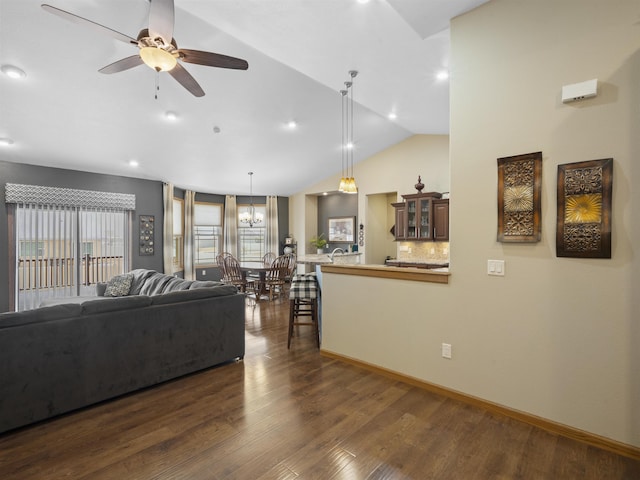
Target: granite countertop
{"type": "Point", "coordinates": [324, 258]}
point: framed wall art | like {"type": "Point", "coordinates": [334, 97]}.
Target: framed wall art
{"type": "Point", "coordinates": [342, 229]}
{"type": "Point", "coordinates": [519, 192]}
{"type": "Point", "coordinates": [583, 225]}
{"type": "Point", "coordinates": [146, 233]}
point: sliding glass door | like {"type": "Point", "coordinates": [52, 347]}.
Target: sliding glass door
{"type": "Point", "coordinates": [63, 251]}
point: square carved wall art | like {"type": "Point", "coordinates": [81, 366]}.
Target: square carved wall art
{"type": "Point", "coordinates": [519, 189]}
{"type": "Point", "coordinates": [583, 227]}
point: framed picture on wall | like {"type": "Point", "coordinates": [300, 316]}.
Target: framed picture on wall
{"type": "Point", "coordinates": [583, 225]}
{"type": "Point", "coordinates": [519, 198]}
{"type": "Point", "coordinates": [342, 229]}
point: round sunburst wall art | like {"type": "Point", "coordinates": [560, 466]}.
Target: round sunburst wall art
{"type": "Point", "coordinates": [583, 208]}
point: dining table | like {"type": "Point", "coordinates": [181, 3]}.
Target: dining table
{"type": "Point", "coordinates": [251, 269]}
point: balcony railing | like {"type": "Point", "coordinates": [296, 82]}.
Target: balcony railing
{"type": "Point", "coordinates": [62, 272]}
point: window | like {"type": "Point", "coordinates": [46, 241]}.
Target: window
{"type": "Point", "coordinates": [251, 240]}
{"type": "Point", "coordinates": [207, 232]}
{"type": "Point", "coordinates": [178, 234]}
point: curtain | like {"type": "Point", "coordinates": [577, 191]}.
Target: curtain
{"type": "Point", "coordinates": [189, 244]}
{"type": "Point", "coordinates": [231, 226]}
{"type": "Point", "coordinates": [167, 230]}
{"type": "Point", "coordinates": [64, 241]}
{"type": "Point", "coordinates": [272, 241]}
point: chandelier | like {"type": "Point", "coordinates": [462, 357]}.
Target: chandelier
{"type": "Point", "coordinates": [250, 216]}
{"type": "Point", "coordinates": [347, 182]}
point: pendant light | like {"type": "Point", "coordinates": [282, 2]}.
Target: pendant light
{"type": "Point", "coordinates": [348, 182]}
{"type": "Point", "coordinates": [251, 216]}
{"type": "Point", "coordinates": [343, 178]}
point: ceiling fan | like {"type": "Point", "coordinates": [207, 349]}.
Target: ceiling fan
{"type": "Point", "coordinates": [158, 48]}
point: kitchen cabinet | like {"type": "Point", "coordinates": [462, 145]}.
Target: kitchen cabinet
{"type": "Point", "coordinates": [441, 220]}
{"type": "Point", "coordinates": [422, 217]}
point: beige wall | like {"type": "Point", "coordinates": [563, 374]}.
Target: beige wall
{"type": "Point", "coordinates": [394, 170]}
{"type": "Point", "coordinates": [556, 337]}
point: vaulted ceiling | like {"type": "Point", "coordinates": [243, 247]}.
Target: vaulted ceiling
{"type": "Point", "coordinates": [66, 114]}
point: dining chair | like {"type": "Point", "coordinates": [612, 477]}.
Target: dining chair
{"type": "Point", "coordinates": [275, 277]}
{"type": "Point", "coordinates": [234, 274]}
{"type": "Point", "coordinates": [220, 261]}
{"type": "Point", "coordinates": [268, 258]}
{"type": "Point", "coordinates": [291, 271]}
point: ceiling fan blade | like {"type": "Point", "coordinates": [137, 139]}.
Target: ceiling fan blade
{"type": "Point", "coordinates": [212, 59]}
{"type": "Point", "coordinates": [185, 79]}
{"type": "Point", "coordinates": [161, 19]}
{"type": "Point", "coordinates": [121, 65]}
{"type": "Point", "coordinates": [96, 26]}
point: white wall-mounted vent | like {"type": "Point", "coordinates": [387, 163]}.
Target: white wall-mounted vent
{"type": "Point", "coordinates": [580, 91]}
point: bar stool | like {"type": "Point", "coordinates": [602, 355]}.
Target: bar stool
{"type": "Point", "coordinates": [303, 302]}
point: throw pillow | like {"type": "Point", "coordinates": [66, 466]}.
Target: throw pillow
{"type": "Point", "coordinates": [119, 286]}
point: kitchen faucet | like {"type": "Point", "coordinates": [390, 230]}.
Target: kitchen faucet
{"type": "Point", "coordinates": [334, 252]}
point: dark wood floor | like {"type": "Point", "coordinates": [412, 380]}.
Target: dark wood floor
{"type": "Point", "coordinates": [294, 415]}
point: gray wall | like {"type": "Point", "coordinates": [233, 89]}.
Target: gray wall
{"type": "Point", "coordinates": [336, 205]}
{"type": "Point", "coordinates": [148, 202]}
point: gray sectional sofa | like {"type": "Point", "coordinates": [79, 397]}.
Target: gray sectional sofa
{"type": "Point", "coordinates": [65, 356]}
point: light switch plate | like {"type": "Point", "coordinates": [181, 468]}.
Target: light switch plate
{"type": "Point", "coordinates": [495, 267]}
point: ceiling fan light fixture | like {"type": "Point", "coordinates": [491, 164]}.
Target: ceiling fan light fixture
{"type": "Point", "coordinates": [12, 71]}
{"type": "Point", "coordinates": [158, 59]}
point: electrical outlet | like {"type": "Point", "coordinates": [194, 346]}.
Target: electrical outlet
{"type": "Point", "coordinates": [446, 350]}
{"type": "Point", "coordinates": [204, 273]}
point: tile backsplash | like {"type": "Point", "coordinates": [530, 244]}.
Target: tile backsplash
{"type": "Point", "coordinates": [423, 251]}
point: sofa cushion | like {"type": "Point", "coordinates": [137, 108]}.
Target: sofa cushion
{"type": "Point", "coordinates": [48, 302]}
{"type": "Point", "coordinates": [204, 284]}
{"type": "Point", "coordinates": [112, 304]}
{"type": "Point", "coordinates": [154, 284]}
{"type": "Point", "coordinates": [119, 286]}
{"type": "Point", "coordinates": [140, 276]}
{"type": "Point", "coordinates": [175, 284]}
{"type": "Point", "coordinates": [43, 314]}
{"type": "Point", "coordinates": [195, 294]}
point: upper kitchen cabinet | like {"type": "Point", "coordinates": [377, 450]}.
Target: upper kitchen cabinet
{"type": "Point", "coordinates": [422, 217]}
{"type": "Point", "coordinates": [441, 220]}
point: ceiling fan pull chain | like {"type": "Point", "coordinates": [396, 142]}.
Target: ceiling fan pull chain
{"type": "Point", "coordinates": [157, 84]}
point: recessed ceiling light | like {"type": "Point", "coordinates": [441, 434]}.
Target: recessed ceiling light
{"type": "Point", "coordinates": [363, 1]}
{"type": "Point", "coordinates": [12, 71]}
{"type": "Point", "coordinates": [133, 163]}
{"type": "Point", "coordinates": [392, 116]}
{"type": "Point", "coordinates": [5, 142]}
{"type": "Point", "coordinates": [173, 116]}
{"type": "Point", "coordinates": [442, 75]}
{"type": "Point", "coordinates": [292, 124]}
